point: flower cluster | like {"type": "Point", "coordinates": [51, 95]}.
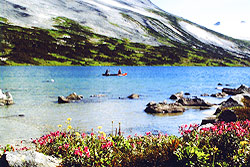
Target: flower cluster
{"type": "Point", "coordinates": [216, 144]}
{"type": "Point", "coordinates": [221, 144]}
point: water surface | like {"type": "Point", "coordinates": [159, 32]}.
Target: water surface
{"type": "Point", "coordinates": [37, 99]}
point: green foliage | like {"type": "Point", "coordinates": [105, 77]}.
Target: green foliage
{"type": "Point", "coordinates": [70, 43]}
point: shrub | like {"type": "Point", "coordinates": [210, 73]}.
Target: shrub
{"type": "Point", "coordinates": [97, 149]}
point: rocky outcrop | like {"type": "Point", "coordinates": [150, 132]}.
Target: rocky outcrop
{"type": "Point", "coordinates": [6, 98]}
{"type": "Point", "coordinates": [134, 96]}
{"type": "Point", "coordinates": [240, 90]}
{"type": "Point", "coordinates": [163, 107]}
{"type": "Point", "coordinates": [71, 98]}
{"type": "Point", "coordinates": [176, 96]}
{"type": "Point", "coordinates": [194, 102]}
{"type": "Point", "coordinates": [234, 101]}
{"type": "Point", "coordinates": [28, 158]}
{"type": "Point", "coordinates": [219, 95]}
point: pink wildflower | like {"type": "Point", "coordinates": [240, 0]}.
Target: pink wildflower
{"type": "Point", "coordinates": [66, 146]}
{"type": "Point", "coordinates": [83, 135]}
{"type": "Point", "coordinates": [139, 142]}
{"type": "Point", "coordinates": [86, 150]}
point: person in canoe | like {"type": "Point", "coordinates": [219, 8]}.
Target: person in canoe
{"type": "Point", "coordinates": [107, 72]}
{"type": "Point", "coordinates": [119, 72]}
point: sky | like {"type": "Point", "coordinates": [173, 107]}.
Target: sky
{"type": "Point", "coordinates": [229, 17]}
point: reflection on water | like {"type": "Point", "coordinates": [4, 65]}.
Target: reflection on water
{"type": "Point", "coordinates": [37, 99]}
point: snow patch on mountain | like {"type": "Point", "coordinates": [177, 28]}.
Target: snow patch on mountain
{"type": "Point", "coordinates": [207, 37]}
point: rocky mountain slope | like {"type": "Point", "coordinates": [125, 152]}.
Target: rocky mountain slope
{"type": "Point", "coordinates": [175, 40]}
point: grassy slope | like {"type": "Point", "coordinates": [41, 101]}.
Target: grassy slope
{"type": "Point", "coordinates": [72, 44]}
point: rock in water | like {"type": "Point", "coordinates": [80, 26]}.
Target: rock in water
{"type": "Point", "coordinates": [219, 95]}
{"type": "Point", "coordinates": [163, 107]}
{"type": "Point", "coordinates": [204, 94]}
{"type": "Point", "coordinates": [240, 90]}
{"type": "Point", "coordinates": [6, 98]}
{"type": "Point", "coordinates": [28, 158]}
{"type": "Point", "coordinates": [62, 99]}
{"type": "Point", "coordinates": [70, 98]}
{"type": "Point", "coordinates": [176, 96]}
{"type": "Point", "coordinates": [134, 96]}
{"type": "Point", "coordinates": [194, 102]}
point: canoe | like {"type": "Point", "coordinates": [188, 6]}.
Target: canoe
{"type": "Point", "coordinates": [123, 74]}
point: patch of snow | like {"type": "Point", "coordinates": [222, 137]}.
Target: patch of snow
{"type": "Point", "coordinates": [207, 37]}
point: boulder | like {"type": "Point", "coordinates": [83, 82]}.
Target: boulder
{"type": "Point", "coordinates": [240, 90]}
{"type": "Point", "coordinates": [134, 96]}
{"type": "Point", "coordinates": [62, 99]}
{"type": "Point", "coordinates": [6, 98]}
{"type": "Point", "coordinates": [163, 107]}
{"type": "Point", "coordinates": [219, 95]}
{"type": "Point", "coordinates": [227, 116]}
{"type": "Point", "coordinates": [194, 102]}
{"type": "Point", "coordinates": [28, 158]}
{"type": "Point", "coordinates": [176, 96]}
{"type": "Point", "coordinates": [74, 96]}
{"type": "Point", "coordinates": [71, 98]}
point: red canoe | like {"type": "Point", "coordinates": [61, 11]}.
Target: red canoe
{"type": "Point", "coordinates": [123, 74]}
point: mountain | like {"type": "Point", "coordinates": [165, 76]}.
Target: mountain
{"type": "Point", "coordinates": [110, 32]}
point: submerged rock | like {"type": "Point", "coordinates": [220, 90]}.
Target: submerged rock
{"type": "Point", "coordinates": [71, 98]}
{"type": "Point", "coordinates": [6, 98]}
{"type": "Point", "coordinates": [99, 95]}
{"type": "Point", "coordinates": [163, 107]}
{"type": "Point", "coordinates": [28, 158]}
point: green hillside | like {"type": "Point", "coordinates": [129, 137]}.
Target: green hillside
{"type": "Point", "coordinates": [70, 43]}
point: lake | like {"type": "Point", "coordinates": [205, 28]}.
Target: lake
{"type": "Point", "coordinates": [37, 99]}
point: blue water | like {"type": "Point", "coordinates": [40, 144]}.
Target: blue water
{"type": "Point", "coordinates": [37, 99]}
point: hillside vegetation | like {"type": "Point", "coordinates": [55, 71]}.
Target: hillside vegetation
{"type": "Point", "coordinates": [70, 43]}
